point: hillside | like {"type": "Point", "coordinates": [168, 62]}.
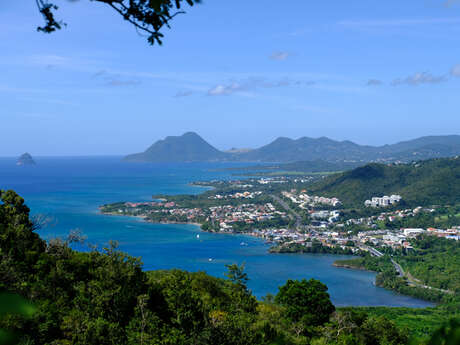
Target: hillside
{"type": "Point", "coordinates": [308, 149]}
{"type": "Point", "coordinates": [435, 181]}
{"type": "Point", "coordinates": [189, 147]}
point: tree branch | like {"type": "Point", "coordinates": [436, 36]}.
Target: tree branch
{"type": "Point", "coordinates": [147, 16]}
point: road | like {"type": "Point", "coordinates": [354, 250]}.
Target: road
{"type": "Point", "coordinates": [378, 254]}
{"type": "Point", "coordinates": [410, 280]}
{"type": "Point", "coordinates": [283, 204]}
{"type": "Point", "coordinates": [374, 251]}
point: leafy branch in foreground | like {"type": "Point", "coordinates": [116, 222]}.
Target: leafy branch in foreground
{"type": "Point", "coordinates": [147, 16]}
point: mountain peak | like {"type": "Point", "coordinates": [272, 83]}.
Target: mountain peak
{"type": "Point", "coordinates": [189, 147]}
{"type": "Point", "coordinates": [25, 159]}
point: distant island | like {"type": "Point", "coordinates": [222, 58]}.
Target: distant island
{"type": "Point", "coordinates": [190, 147]}
{"type": "Point", "coordinates": [25, 159]}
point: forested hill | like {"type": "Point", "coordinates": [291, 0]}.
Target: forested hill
{"type": "Point", "coordinates": [430, 182]}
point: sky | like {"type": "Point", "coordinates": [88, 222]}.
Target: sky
{"type": "Point", "coordinates": [239, 73]}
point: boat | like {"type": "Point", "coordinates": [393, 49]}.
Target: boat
{"type": "Point", "coordinates": [198, 236]}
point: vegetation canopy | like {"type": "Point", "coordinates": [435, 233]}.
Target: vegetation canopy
{"type": "Point", "coordinates": [147, 16]}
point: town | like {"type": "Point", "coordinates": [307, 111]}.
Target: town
{"type": "Point", "coordinates": [289, 218]}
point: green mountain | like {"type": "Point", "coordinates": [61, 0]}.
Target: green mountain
{"type": "Point", "coordinates": [310, 149]}
{"type": "Point", "coordinates": [424, 183]}
{"type": "Point", "coordinates": [189, 147]}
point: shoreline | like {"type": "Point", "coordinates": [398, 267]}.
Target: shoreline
{"type": "Point", "coordinates": [334, 264]}
{"type": "Point", "coordinates": [351, 267]}
{"type": "Point", "coordinates": [144, 218]}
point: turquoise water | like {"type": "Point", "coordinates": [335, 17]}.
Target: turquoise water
{"type": "Point", "coordinates": [71, 189]}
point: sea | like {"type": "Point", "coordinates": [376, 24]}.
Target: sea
{"type": "Point", "coordinates": [69, 190]}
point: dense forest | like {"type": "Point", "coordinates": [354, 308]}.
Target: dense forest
{"type": "Point", "coordinates": [425, 183]}
{"type": "Point", "coordinates": [104, 297]}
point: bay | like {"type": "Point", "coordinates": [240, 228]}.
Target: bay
{"type": "Point", "coordinates": [70, 189]}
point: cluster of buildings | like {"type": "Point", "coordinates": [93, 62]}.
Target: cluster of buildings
{"type": "Point", "coordinates": [383, 201]}
{"type": "Point", "coordinates": [400, 238]}
{"type": "Point", "coordinates": [331, 216]}
{"type": "Point", "coordinates": [150, 204]}
{"type": "Point", "coordinates": [306, 200]}
{"type": "Point", "coordinates": [247, 213]}
{"type": "Point", "coordinates": [269, 180]}
{"type": "Point", "coordinates": [189, 213]}
{"type": "Point", "coordinates": [386, 216]}
{"type": "Point", "coordinates": [242, 195]}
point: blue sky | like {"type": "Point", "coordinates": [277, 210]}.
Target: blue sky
{"type": "Point", "coordinates": [239, 73]}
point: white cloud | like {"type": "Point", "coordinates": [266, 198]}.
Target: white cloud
{"type": "Point", "coordinates": [420, 78]}
{"type": "Point", "coordinates": [279, 56]}
{"type": "Point", "coordinates": [183, 94]}
{"type": "Point", "coordinates": [455, 71]}
{"type": "Point", "coordinates": [374, 82]}
{"type": "Point", "coordinates": [119, 82]}
{"type": "Point", "coordinates": [450, 3]}
{"type": "Point", "coordinates": [252, 84]}
{"type": "Point", "coordinates": [220, 90]}
{"type": "Point", "coordinates": [49, 60]}
{"type": "Point", "coordinates": [397, 22]}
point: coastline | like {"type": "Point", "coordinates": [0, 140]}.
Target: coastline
{"type": "Point", "coordinates": [144, 218]}
{"type": "Point", "coordinates": [351, 267]}
{"type": "Point", "coordinates": [251, 234]}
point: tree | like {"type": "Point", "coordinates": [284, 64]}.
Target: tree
{"type": "Point", "coordinates": [237, 275]}
{"type": "Point", "coordinates": [147, 16]}
{"type": "Point", "coordinates": [306, 301]}
{"type": "Point", "coordinates": [379, 330]}
{"type": "Point", "coordinates": [448, 334]}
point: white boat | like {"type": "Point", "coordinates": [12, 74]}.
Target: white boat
{"type": "Point", "coordinates": [198, 236]}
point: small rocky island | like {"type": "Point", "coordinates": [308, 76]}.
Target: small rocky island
{"type": "Point", "coordinates": [25, 159]}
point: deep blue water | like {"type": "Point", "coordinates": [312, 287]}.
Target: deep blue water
{"type": "Point", "coordinates": [71, 189]}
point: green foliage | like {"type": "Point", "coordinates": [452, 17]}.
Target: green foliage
{"type": "Point", "coordinates": [449, 334]}
{"type": "Point", "coordinates": [306, 302]}
{"type": "Point", "coordinates": [368, 262]}
{"type": "Point", "coordinates": [388, 278]}
{"type": "Point", "coordinates": [104, 297]}
{"type": "Point", "coordinates": [13, 304]}
{"type": "Point", "coordinates": [434, 261]}
{"type": "Point", "coordinates": [316, 247]}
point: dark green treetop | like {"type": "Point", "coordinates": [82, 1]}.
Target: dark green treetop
{"type": "Point", "coordinates": [147, 16]}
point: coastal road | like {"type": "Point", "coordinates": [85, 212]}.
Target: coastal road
{"type": "Point", "coordinates": [378, 254]}
{"type": "Point", "coordinates": [398, 268]}
{"type": "Point", "coordinates": [298, 221]}
{"type": "Point", "coordinates": [410, 280]}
